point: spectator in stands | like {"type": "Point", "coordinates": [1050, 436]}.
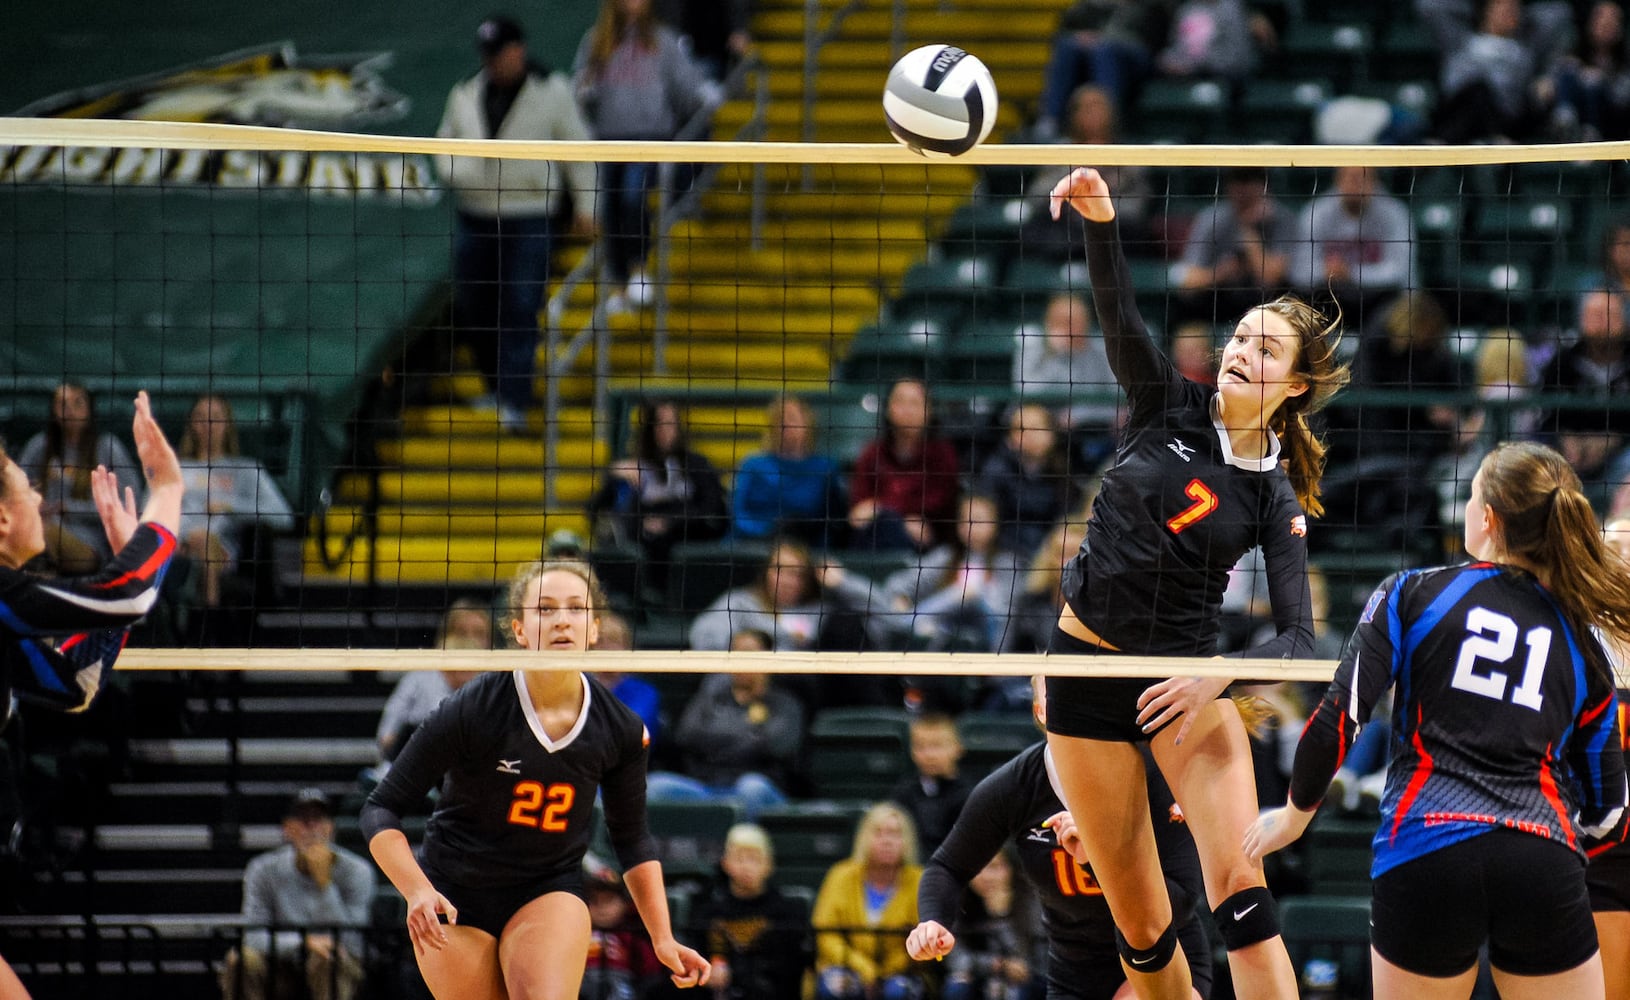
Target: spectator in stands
{"type": "Point", "coordinates": [1090, 120]}
{"type": "Point", "coordinates": [635, 82]}
{"type": "Point", "coordinates": [621, 963]}
{"type": "Point", "coordinates": [1028, 478]}
{"type": "Point", "coordinates": [1109, 43]}
{"type": "Point", "coordinates": [1406, 347]}
{"type": "Point", "coordinates": [1588, 90]}
{"type": "Point", "coordinates": [1357, 244]}
{"type": "Point", "coordinates": [309, 882]}
{"type": "Point", "coordinates": [1000, 940]}
{"type": "Point", "coordinates": [755, 935]}
{"type": "Point", "coordinates": [59, 461]}
{"type": "Point", "coordinates": [505, 231]}
{"type": "Point", "coordinates": [787, 489]}
{"type": "Point", "coordinates": [935, 795]}
{"type": "Point", "coordinates": [1596, 366]}
{"type": "Point", "coordinates": [1062, 362]}
{"type": "Point", "coordinates": [666, 494]}
{"type": "Point", "coordinates": [466, 625]}
{"type": "Point", "coordinates": [956, 596]}
{"type": "Point", "coordinates": [1215, 39]}
{"type": "Point", "coordinates": [715, 30]}
{"type": "Point", "coordinates": [1614, 275]}
{"type": "Point", "coordinates": [783, 603]}
{"type": "Point", "coordinates": [865, 908]}
{"type": "Point", "coordinates": [1035, 611]}
{"type": "Point", "coordinates": [904, 488]}
{"type": "Point", "coordinates": [1503, 374]}
{"type": "Point", "coordinates": [1488, 82]}
{"type": "Point", "coordinates": [1237, 252]}
{"type": "Point", "coordinates": [1194, 352]}
{"type": "Point", "coordinates": [639, 695]}
{"type": "Point", "coordinates": [739, 739]}
{"type": "Point", "coordinates": [227, 492]}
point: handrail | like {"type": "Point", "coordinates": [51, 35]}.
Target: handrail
{"type": "Point", "coordinates": [562, 353]}
{"type": "Point", "coordinates": [815, 39]}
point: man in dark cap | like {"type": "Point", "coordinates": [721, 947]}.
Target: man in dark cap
{"type": "Point", "coordinates": [307, 883]}
{"type": "Point", "coordinates": [504, 238]}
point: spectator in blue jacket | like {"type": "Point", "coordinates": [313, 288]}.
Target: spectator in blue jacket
{"type": "Point", "coordinates": [786, 489]}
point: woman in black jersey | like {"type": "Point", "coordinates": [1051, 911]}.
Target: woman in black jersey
{"type": "Point", "coordinates": [1506, 750]}
{"type": "Point", "coordinates": [57, 636]}
{"type": "Point", "coordinates": [519, 757]}
{"type": "Point", "coordinates": [1609, 873]}
{"type": "Point", "coordinates": [1201, 476]}
{"type": "Point", "coordinates": [1018, 804]}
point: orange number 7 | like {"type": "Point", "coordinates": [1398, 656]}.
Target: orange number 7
{"type": "Point", "coordinates": [1205, 502]}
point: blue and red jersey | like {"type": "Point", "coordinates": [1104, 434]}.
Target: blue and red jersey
{"type": "Point", "coordinates": [1504, 716]}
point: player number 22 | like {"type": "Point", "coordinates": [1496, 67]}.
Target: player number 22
{"type": "Point", "coordinates": [544, 808]}
{"type": "Point", "coordinates": [1205, 502]}
{"type": "Point", "coordinates": [1494, 638]}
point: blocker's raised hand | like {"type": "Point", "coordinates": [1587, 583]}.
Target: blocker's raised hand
{"type": "Point", "coordinates": [1086, 191]}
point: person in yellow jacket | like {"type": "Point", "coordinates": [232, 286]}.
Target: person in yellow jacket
{"type": "Point", "coordinates": [866, 907]}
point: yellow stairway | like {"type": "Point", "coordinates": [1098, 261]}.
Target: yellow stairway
{"type": "Point", "coordinates": [463, 503]}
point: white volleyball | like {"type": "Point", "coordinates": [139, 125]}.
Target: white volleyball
{"type": "Point", "coordinates": [940, 100]}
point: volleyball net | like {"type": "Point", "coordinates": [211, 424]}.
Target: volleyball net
{"type": "Point", "coordinates": [324, 287]}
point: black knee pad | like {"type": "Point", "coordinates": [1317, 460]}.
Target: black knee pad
{"type": "Point", "coordinates": [1153, 958]}
{"type": "Point", "coordinates": [1247, 917]}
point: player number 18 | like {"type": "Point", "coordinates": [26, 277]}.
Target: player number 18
{"type": "Point", "coordinates": [1494, 638]}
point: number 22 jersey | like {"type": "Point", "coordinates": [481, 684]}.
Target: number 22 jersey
{"type": "Point", "coordinates": [1500, 718]}
{"type": "Point", "coordinates": [515, 805]}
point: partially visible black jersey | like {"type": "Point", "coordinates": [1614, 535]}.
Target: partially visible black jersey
{"type": "Point", "coordinates": [1010, 805]}
{"type": "Point", "coordinates": [58, 635]}
{"type": "Point", "coordinates": [1178, 508]}
{"type": "Point", "coordinates": [516, 806]}
{"type": "Point", "coordinates": [1499, 718]}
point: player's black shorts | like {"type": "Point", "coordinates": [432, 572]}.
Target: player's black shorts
{"type": "Point", "coordinates": [1094, 708]}
{"type": "Point", "coordinates": [1098, 976]}
{"type": "Point", "coordinates": [1608, 878]}
{"type": "Point", "coordinates": [490, 909]}
{"type": "Point", "coordinates": [1524, 894]}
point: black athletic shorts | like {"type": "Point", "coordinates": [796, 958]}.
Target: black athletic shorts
{"type": "Point", "coordinates": [1608, 879]}
{"type": "Point", "coordinates": [1098, 976]}
{"type": "Point", "coordinates": [1094, 708]}
{"type": "Point", "coordinates": [490, 909]}
{"type": "Point", "coordinates": [1524, 894]}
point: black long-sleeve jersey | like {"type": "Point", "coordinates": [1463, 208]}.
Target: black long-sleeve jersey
{"type": "Point", "coordinates": [1615, 844]}
{"type": "Point", "coordinates": [1010, 804]}
{"type": "Point", "coordinates": [1499, 719]}
{"type": "Point", "coordinates": [1178, 508]}
{"type": "Point", "coordinates": [515, 805]}
{"type": "Point", "coordinates": [91, 615]}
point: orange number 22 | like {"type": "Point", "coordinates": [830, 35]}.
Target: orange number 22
{"type": "Point", "coordinates": [1205, 502]}
{"type": "Point", "coordinates": [555, 802]}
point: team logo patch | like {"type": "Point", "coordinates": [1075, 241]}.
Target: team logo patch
{"type": "Point", "coordinates": [1371, 605]}
{"type": "Point", "coordinates": [1298, 526]}
{"type": "Point", "coordinates": [1175, 814]}
{"type": "Point", "coordinates": [645, 736]}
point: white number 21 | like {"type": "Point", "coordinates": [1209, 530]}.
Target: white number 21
{"type": "Point", "coordinates": [1494, 638]}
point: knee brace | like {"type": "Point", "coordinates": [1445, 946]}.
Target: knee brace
{"type": "Point", "coordinates": [1247, 917]}
{"type": "Point", "coordinates": [1153, 958]}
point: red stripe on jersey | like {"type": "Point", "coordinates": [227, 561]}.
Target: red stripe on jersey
{"type": "Point", "coordinates": [1547, 787]}
{"type": "Point", "coordinates": [1423, 770]}
{"type": "Point", "coordinates": [1591, 714]}
{"type": "Point", "coordinates": [71, 642]}
{"type": "Point", "coordinates": [150, 568]}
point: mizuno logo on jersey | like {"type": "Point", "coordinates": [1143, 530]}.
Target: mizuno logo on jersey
{"type": "Point", "coordinates": [1180, 449]}
{"type": "Point", "coordinates": [1041, 834]}
{"type": "Point", "coordinates": [508, 766]}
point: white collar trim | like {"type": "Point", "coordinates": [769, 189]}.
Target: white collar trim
{"type": "Point", "coordinates": [531, 714]}
{"type": "Point", "coordinates": [1263, 464]}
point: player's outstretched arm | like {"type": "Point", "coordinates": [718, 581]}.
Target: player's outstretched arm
{"type": "Point", "coordinates": [650, 897]}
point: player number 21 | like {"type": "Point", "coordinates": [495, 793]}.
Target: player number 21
{"type": "Point", "coordinates": [1494, 638]}
{"type": "Point", "coordinates": [1205, 502]}
{"type": "Point", "coordinates": [544, 808]}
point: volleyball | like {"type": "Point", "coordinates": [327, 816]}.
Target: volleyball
{"type": "Point", "coordinates": [940, 100]}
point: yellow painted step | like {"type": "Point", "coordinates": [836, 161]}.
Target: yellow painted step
{"type": "Point", "coordinates": [475, 560]}
{"type": "Point", "coordinates": [477, 452]}
{"type": "Point", "coordinates": [439, 420]}
{"type": "Point", "coordinates": [831, 116]}
{"type": "Point", "coordinates": [485, 519]}
{"type": "Point", "coordinates": [872, 55]}
{"type": "Point", "coordinates": [763, 361]}
{"type": "Point", "coordinates": [441, 487]}
{"type": "Point", "coordinates": [860, 177]}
